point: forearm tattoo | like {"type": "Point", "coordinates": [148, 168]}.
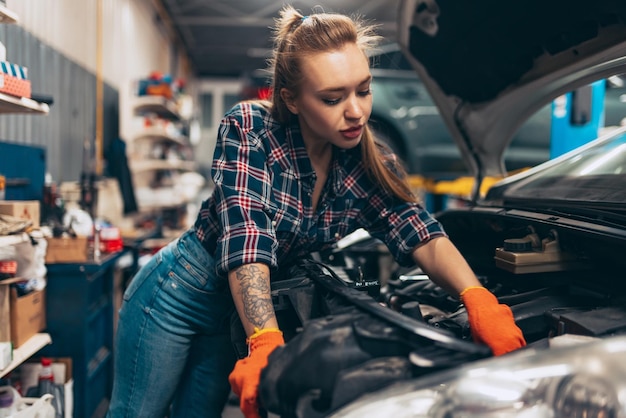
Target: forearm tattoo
{"type": "Point", "coordinates": [255, 290]}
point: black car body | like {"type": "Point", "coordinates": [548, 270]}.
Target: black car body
{"type": "Point", "coordinates": [365, 338]}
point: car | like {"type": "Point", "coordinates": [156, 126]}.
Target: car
{"type": "Point", "coordinates": [365, 337]}
{"type": "Point", "coordinates": [551, 247]}
{"type": "Point", "coordinates": [406, 119]}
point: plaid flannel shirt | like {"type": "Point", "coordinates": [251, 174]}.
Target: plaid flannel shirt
{"type": "Point", "coordinates": [261, 208]}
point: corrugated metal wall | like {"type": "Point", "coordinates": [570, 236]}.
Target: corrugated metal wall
{"type": "Point", "coordinates": [56, 40]}
{"type": "Point", "coordinates": [71, 121]}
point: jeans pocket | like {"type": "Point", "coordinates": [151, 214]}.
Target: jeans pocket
{"type": "Point", "coordinates": [193, 266]}
{"type": "Point", "coordinates": [194, 279]}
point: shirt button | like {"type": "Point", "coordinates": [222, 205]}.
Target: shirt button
{"type": "Point", "coordinates": [274, 223]}
{"type": "Point", "coordinates": [337, 236]}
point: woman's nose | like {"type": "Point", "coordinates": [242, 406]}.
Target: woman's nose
{"type": "Point", "coordinates": [353, 109]}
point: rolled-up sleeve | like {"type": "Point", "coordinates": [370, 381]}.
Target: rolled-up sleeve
{"type": "Point", "coordinates": [402, 226]}
{"type": "Point", "coordinates": [242, 191]}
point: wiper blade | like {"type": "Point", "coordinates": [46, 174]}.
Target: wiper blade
{"type": "Point", "coordinates": [607, 217]}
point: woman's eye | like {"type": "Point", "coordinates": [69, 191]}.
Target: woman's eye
{"type": "Point", "coordinates": [361, 93]}
{"type": "Point", "coordinates": [331, 102]}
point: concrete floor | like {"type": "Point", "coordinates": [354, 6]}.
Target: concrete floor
{"type": "Point", "coordinates": [232, 409]}
{"type": "Point", "coordinates": [234, 412]}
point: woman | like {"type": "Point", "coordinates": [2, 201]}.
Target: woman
{"type": "Point", "coordinates": [291, 177]}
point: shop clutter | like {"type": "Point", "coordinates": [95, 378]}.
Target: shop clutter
{"type": "Point", "coordinates": [40, 388]}
{"type": "Point", "coordinates": [14, 79]}
{"type": "Point", "coordinates": [64, 251]}
{"type": "Point", "coordinates": [13, 405]}
{"type": "Point", "coordinates": [161, 152]}
{"type": "Point", "coordinates": [159, 84]}
{"type": "Point", "coordinates": [33, 237]}
{"type": "Point", "coordinates": [22, 275]}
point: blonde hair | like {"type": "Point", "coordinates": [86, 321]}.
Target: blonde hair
{"type": "Point", "coordinates": [296, 36]}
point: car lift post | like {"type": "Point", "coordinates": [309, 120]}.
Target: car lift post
{"type": "Point", "coordinates": [576, 118]}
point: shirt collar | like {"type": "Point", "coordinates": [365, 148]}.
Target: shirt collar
{"type": "Point", "coordinates": [297, 152]}
{"type": "Point", "coordinates": [302, 164]}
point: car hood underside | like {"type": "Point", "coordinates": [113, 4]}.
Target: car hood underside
{"type": "Point", "coordinates": [490, 65]}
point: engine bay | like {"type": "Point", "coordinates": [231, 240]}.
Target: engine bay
{"type": "Point", "coordinates": [355, 322]}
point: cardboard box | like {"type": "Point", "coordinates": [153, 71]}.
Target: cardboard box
{"type": "Point", "coordinates": [5, 312]}
{"type": "Point", "coordinates": [22, 209]}
{"type": "Point", "coordinates": [26, 314]}
{"type": "Point", "coordinates": [66, 250]}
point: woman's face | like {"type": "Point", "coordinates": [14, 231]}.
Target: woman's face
{"type": "Point", "coordinates": [335, 101]}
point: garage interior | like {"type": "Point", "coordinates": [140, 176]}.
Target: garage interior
{"type": "Point", "coordinates": [86, 67]}
{"type": "Point", "coordinates": [109, 114]}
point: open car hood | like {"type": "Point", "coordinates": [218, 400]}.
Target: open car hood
{"type": "Point", "coordinates": [489, 65]}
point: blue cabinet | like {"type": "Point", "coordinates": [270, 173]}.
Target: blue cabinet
{"type": "Point", "coordinates": [80, 317]}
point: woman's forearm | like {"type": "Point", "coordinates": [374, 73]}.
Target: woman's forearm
{"type": "Point", "coordinates": [444, 265]}
{"type": "Point", "coordinates": [250, 287]}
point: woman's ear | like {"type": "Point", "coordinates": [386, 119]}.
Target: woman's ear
{"type": "Point", "coordinates": [289, 100]}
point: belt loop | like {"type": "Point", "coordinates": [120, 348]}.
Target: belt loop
{"type": "Point", "coordinates": [174, 246]}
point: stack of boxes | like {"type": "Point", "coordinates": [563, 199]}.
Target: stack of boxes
{"type": "Point", "coordinates": [13, 77]}
{"type": "Point", "coordinates": [14, 80]}
{"type": "Point", "coordinates": [21, 315]}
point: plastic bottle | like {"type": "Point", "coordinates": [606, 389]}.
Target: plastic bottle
{"type": "Point", "coordinates": [46, 378]}
{"type": "Point", "coordinates": [46, 385]}
{"type": "Point", "coordinates": [7, 408]}
{"type": "Point", "coordinates": [46, 370]}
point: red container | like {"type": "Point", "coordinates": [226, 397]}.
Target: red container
{"type": "Point", "coordinates": [8, 268]}
{"type": "Point", "coordinates": [14, 86]}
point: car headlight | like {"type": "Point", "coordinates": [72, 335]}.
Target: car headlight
{"type": "Point", "coordinates": [587, 380]}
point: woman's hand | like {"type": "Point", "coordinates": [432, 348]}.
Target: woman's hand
{"type": "Point", "coordinates": [245, 377]}
{"type": "Point", "coordinates": [251, 291]}
{"type": "Point", "coordinates": [491, 323]}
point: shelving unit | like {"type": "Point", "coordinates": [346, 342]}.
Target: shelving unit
{"type": "Point", "coordinates": [160, 135]}
{"type": "Point", "coordinates": [151, 165]}
{"type": "Point", "coordinates": [13, 104]}
{"type": "Point", "coordinates": [27, 350]}
{"type": "Point", "coordinates": [160, 155]}
{"type": "Point", "coordinates": [157, 105]}
{"type": "Point", "coordinates": [83, 329]}
{"type": "Point", "coordinates": [6, 15]}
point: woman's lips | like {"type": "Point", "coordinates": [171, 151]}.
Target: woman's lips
{"type": "Point", "coordinates": [352, 133]}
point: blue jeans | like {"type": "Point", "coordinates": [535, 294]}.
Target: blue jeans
{"type": "Point", "coordinates": [173, 346]}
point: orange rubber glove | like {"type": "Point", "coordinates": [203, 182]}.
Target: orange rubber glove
{"type": "Point", "coordinates": [244, 379]}
{"type": "Point", "coordinates": [491, 323]}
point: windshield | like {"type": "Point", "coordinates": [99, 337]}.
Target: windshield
{"type": "Point", "coordinates": [593, 175]}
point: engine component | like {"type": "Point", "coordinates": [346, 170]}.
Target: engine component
{"type": "Point", "coordinates": [359, 346]}
{"type": "Point", "coordinates": [532, 255]}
